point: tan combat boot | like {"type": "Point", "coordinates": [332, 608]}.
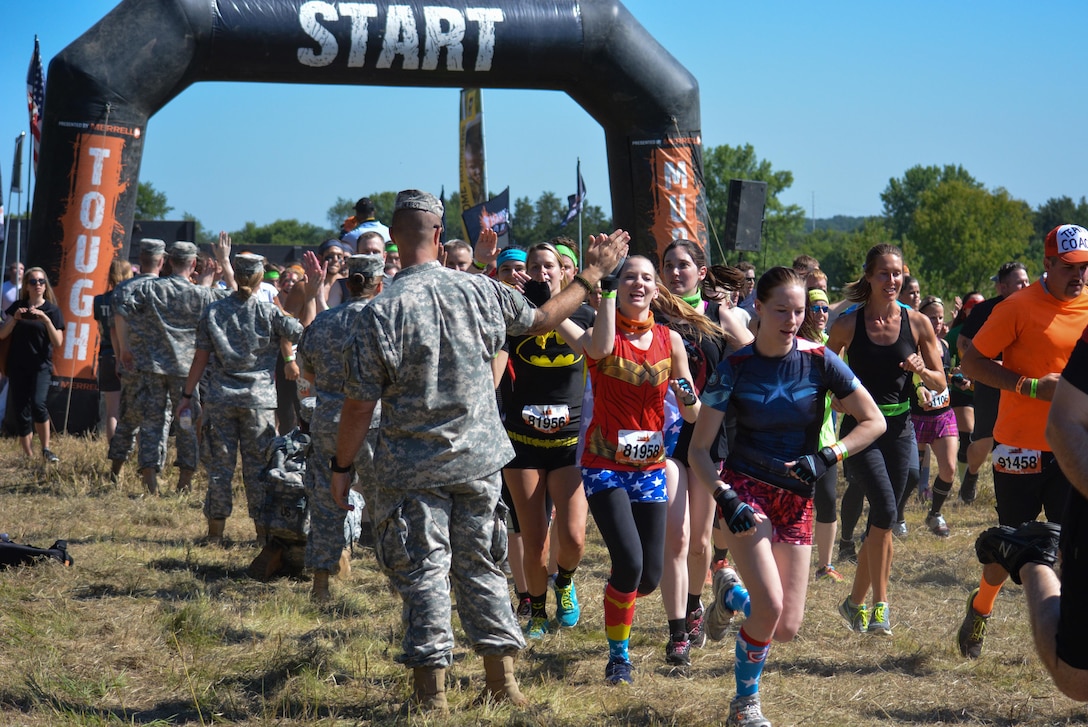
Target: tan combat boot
{"type": "Point", "coordinates": [185, 481]}
{"type": "Point", "coordinates": [216, 526]}
{"type": "Point", "coordinates": [151, 480]}
{"type": "Point", "coordinates": [344, 571]}
{"type": "Point", "coordinates": [502, 685]}
{"type": "Point", "coordinates": [320, 592]}
{"type": "Point", "coordinates": [429, 692]}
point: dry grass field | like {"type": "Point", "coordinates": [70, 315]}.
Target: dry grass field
{"type": "Point", "coordinates": [149, 628]}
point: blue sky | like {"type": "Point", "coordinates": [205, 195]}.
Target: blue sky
{"type": "Point", "coordinates": [844, 95]}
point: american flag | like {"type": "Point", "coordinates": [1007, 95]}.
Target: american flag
{"type": "Point", "coordinates": [35, 98]}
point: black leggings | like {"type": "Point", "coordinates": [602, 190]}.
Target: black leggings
{"type": "Point", "coordinates": [634, 533]}
{"type": "Point", "coordinates": [824, 495]}
{"type": "Point", "coordinates": [879, 472]}
{"type": "Point", "coordinates": [27, 395]}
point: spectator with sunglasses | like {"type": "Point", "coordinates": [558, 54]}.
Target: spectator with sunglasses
{"type": "Point", "coordinates": [35, 324]}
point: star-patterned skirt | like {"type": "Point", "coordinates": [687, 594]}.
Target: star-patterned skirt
{"type": "Point", "coordinates": [641, 486]}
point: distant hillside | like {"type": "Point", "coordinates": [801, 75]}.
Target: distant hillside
{"type": "Point", "coordinates": [839, 223]}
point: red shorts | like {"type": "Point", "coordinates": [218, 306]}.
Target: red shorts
{"type": "Point", "coordinates": [789, 513]}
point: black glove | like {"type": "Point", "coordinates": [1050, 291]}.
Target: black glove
{"type": "Point", "coordinates": [611, 281]}
{"type": "Point", "coordinates": [811, 467]}
{"type": "Point", "coordinates": [537, 292]}
{"type": "Point", "coordinates": [738, 515]}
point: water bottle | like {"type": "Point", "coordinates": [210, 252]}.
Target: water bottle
{"type": "Point", "coordinates": [185, 421]}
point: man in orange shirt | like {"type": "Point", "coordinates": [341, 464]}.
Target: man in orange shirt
{"type": "Point", "coordinates": [1034, 331]}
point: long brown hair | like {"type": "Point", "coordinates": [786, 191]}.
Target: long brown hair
{"type": "Point", "coordinates": [719, 278]}
{"type": "Point", "coordinates": [860, 290]}
{"type": "Point", "coordinates": [681, 317]}
{"type": "Point", "coordinates": [47, 293]}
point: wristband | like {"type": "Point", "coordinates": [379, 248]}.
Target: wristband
{"type": "Point", "coordinates": [337, 468]}
{"type": "Point", "coordinates": [186, 396]}
{"type": "Point", "coordinates": [1034, 389]}
{"type": "Point", "coordinates": [478, 266]}
{"type": "Point", "coordinates": [289, 359]}
{"type": "Point", "coordinates": [1020, 383]}
{"type": "Point", "coordinates": [840, 451]}
{"type": "Point", "coordinates": [584, 283]}
{"type": "Point", "coordinates": [608, 294]}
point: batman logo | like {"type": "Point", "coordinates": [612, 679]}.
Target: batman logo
{"type": "Point", "coordinates": [547, 351]}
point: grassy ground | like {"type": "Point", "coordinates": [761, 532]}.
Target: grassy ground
{"type": "Point", "coordinates": [149, 628]}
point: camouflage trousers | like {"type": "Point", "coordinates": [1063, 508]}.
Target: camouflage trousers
{"type": "Point", "coordinates": [123, 442]}
{"type": "Point", "coordinates": [423, 538]}
{"type": "Point", "coordinates": [226, 429]}
{"type": "Point", "coordinates": [156, 398]}
{"type": "Point", "coordinates": [326, 539]}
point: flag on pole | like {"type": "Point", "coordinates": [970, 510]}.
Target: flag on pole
{"type": "Point", "coordinates": [35, 98]}
{"type": "Point", "coordinates": [2, 206]}
{"type": "Point", "coordinates": [17, 166]}
{"type": "Point", "coordinates": [575, 201]}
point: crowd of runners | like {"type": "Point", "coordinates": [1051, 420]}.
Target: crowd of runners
{"type": "Point", "coordinates": [487, 402]}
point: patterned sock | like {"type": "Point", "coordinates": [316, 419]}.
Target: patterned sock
{"type": "Point", "coordinates": [619, 614]}
{"type": "Point", "coordinates": [538, 604]}
{"type": "Point", "coordinates": [737, 601]}
{"type": "Point", "coordinates": [751, 655]}
{"type": "Point", "coordinates": [564, 577]}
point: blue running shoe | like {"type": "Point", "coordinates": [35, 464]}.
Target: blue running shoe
{"type": "Point", "coordinates": [536, 628]}
{"type": "Point", "coordinates": [619, 671]}
{"type": "Point", "coordinates": [567, 610]}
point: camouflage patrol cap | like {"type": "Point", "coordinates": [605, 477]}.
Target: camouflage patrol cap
{"type": "Point", "coordinates": [246, 263]}
{"type": "Point", "coordinates": [183, 251]}
{"type": "Point", "coordinates": [151, 246]}
{"type": "Point", "coordinates": [414, 199]}
{"type": "Point", "coordinates": [370, 266]}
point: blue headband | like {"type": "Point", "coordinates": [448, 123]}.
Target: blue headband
{"type": "Point", "coordinates": [511, 253]}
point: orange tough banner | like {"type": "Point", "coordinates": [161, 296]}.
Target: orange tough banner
{"type": "Point", "coordinates": [675, 168]}
{"type": "Point", "coordinates": [89, 223]}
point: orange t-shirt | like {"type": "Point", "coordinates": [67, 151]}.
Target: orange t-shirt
{"type": "Point", "coordinates": [1034, 333]}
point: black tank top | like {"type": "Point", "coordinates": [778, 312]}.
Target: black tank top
{"type": "Point", "coordinates": [877, 367]}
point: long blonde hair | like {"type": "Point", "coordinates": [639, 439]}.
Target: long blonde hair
{"type": "Point", "coordinates": [47, 293]}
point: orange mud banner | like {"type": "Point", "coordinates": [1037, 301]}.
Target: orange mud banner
{"type": "Point", "coordinates": [90, 227]}
{"type": "Point", "coordinates": [673, 169]}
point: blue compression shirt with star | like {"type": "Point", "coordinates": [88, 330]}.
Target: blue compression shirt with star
{"type": "Point", "coordinates": [779, 404]}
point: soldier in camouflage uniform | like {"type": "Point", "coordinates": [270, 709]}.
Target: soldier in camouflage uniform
{"type": "Point", "coordinates": [424, 348]}
{"type": "Point", "coordinates": [322, 354]}
{"type": "Point", "coordinates": [123, 441]}
{"type": "Point", "coordinates": [237, 341]}
{"type": "Point", "coordinates": [160, 325]}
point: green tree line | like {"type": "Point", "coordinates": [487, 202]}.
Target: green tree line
{"type": "Point", "coordinates": [954, 232]}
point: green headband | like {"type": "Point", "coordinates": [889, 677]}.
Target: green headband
{"type": "Point", "coordinates": [566, 252]}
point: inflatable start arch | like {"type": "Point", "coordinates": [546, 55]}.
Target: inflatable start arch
{"type": "Point", "coordinates": [105, 86]}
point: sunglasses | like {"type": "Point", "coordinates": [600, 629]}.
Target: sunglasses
{"type": "Point", "coordinates": [819, 308]}
{"type": "Point", "coordinates": [327, 258]}
{"type": "Point", "coordinates": [36, 281]}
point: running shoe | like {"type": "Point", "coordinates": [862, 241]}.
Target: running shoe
{"type": "Point", "coordinates": [694, 624]}
{"type": "Point", "coordinates": [678, 653]}
{"type": "Point", "coordinates": [856, 617]}
{"type": "Point", "coordinates": [847, 552]}
{"type": "Point", "coordinates": [899, 530]}
{"type": "Point", "coordinates": [50, 457]}
{"type": "Point", "coordinates": [525, 608]}
{"type": "Point", "coordinates": [880, 620]}
{"type": "Point", "coordinates": [567, 610]}
{"type": "Point", "coordinates": [746, 712]}
{"type": "Point", "coordinates": [973, 630]}
{"type": "Point", "coordinates": [1012, 548]}
{"type": "Point", "coordinates": [718, 615]}
{"type": "Point", "coordinates": [936, 524]}
{"type": "Point", "coordinates": [829, 573]}
{"type": "Point", "coordinates": [619, 671]}
{"type": "Point", "coordinates": [537, 628]}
